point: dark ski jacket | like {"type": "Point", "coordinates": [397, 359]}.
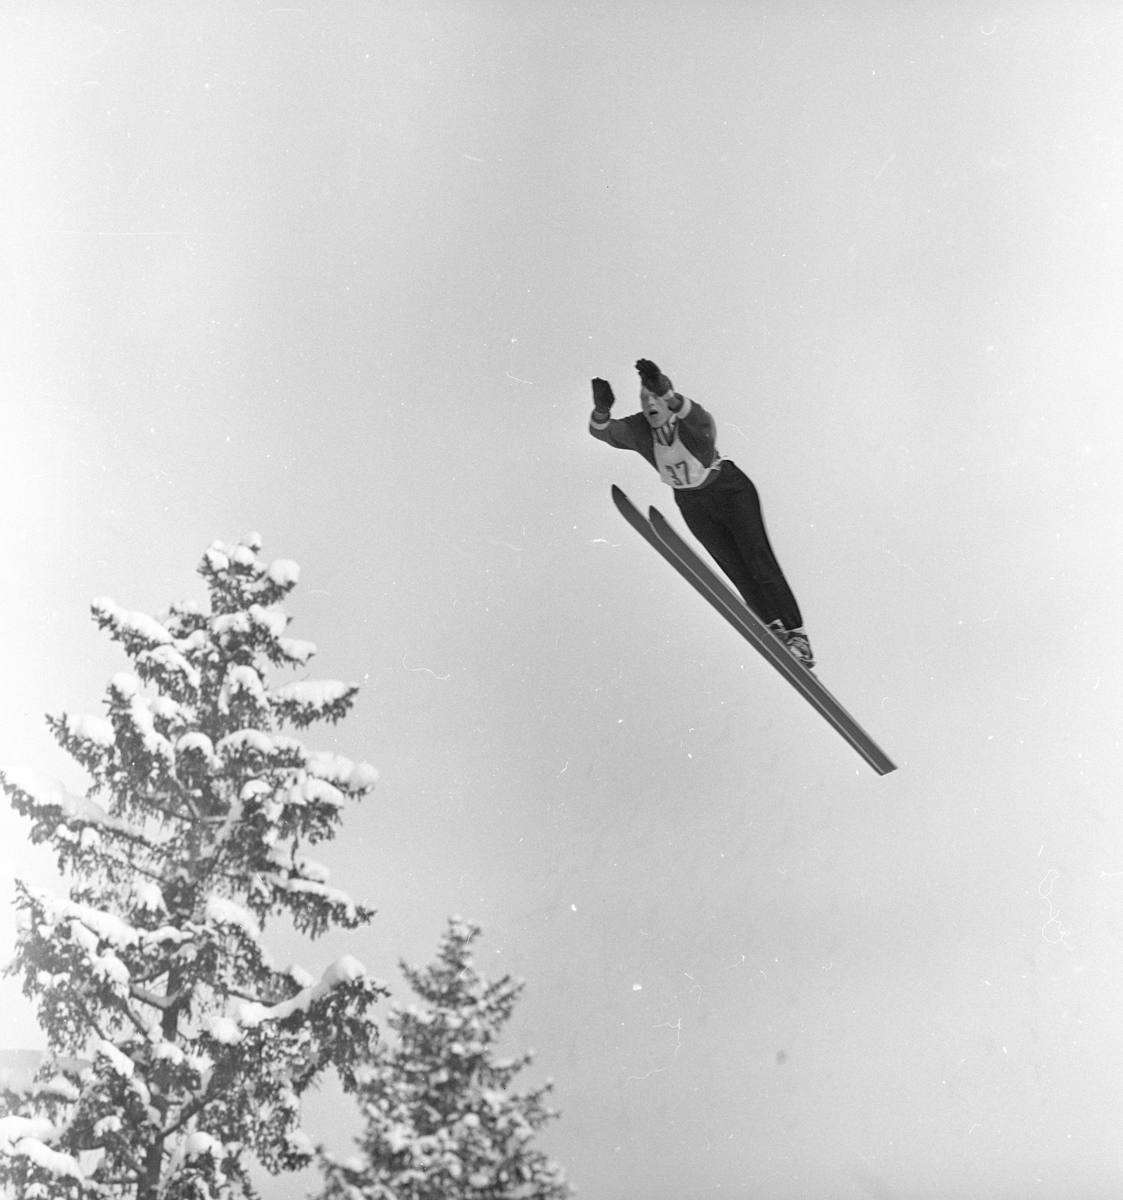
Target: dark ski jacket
{"type": "Point", "coordinates": [693, 427]}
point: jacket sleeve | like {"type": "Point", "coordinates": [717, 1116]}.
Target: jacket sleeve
{"type": "Point", "coordinates": [623, 434]}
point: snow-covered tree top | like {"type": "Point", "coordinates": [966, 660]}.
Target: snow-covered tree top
{"type": "Point", "coordinates": [193, 833]}
{"type": "Point", "coordinates": [441, 1117]}
{"type": "Point", "coordinates": [198, 724]}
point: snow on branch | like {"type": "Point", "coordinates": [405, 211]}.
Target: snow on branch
{"type": "Point", "coordinates": [352, 777]}
{"type": "Point", "coordinates": [344, 970]}
{"type": "Point", "coordinates": [107, 927]}
{"type": "Point", "coordinates": [313, 700]}
{"type": "Point", "coordinates": [293, 650]}
{"type": "Point", "coordinates": [44, 794]}
{"type": "Point", "coordinates": [97, 730]}
{"type": "Point", "coordinates": [14, 1129]}
{"type": "Point", "coordinates": [141, 714]}
{"type": "Point", "coordinates": [165, 658]}
{"type": "Point", "coordinates": [315, 791]}
{"type": "Point", "coordinates": [54, 1162]}
{"type": "Point", "coordinates": [298, 886]}
{"type": "Point", "coordinates": [238, 567]}
{"type": "Point", "coordinates": [137, 630]}
{"type": "Point", "coordinates": [222, 911]}
{"type": "Point", "coordinates": [273, 620]}
{"type": "Point", "coordinates": [284, 573]}
{"type": "Point", "coordinates": [242, 680]}
{"type": "Point", "coordinates": [198, 743]}
{"type": "Point", "coordinates": [249, 1014]}
{"type": "Point", "coordinates": [314, 693]}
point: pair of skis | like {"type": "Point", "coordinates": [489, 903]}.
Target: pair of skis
{"type": "Point", "coordinates": [658, 533]}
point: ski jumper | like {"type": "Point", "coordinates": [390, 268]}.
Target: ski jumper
{"type": "Point", "coordinates": [717, 500]}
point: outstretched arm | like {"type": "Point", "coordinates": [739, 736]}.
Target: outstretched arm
{"type": "Point", "coordinates": [623, 434]}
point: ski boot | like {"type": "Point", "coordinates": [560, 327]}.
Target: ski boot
{"type": "Point", "coordinates": [796, 641]}
{"type": "Point", "coordinates": [799, 645]}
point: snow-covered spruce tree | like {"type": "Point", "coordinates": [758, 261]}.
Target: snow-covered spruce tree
{"type": "Point", "coordinates": [441, 1123]}
{"type": "Point", "coordinates": [192, 1048]}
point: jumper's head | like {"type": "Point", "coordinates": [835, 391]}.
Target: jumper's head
{"type": "Point", "coordinates": [656, 408]}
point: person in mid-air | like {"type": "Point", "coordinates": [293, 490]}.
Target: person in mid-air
{"type": "Point", "coordinates": [717, 500]}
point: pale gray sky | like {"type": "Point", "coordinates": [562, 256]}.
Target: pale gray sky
{"type": "Point", "coordinates": [341, 273]}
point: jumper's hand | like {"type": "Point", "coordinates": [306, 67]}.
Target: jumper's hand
{"type": "Point", "coordinates": [652, 378]}
{"type": "Point", "coordinates": [603, 399]}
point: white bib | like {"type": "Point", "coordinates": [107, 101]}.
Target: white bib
{"type": "Point", "coordinates": [675, 463]}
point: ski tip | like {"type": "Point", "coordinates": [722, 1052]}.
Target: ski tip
{"type": "Point", "coordinates": [620, 499]}
{"type": "Point", "coordinates": [653, 515]}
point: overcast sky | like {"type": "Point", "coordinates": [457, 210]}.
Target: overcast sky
{"type": "Point", "coordinates": [342, 273]}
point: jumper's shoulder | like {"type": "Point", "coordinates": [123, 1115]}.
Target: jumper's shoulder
{"type": "Point", "coordinates": [696, 421]}
{"type": "Point", "coordinates": [692, 413]}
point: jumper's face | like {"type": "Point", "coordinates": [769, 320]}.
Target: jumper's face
{"type": "Point", "coordinates": [655, 407]}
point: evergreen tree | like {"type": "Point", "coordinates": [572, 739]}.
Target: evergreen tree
{"type": "Point", "coordinates": [441, 1123]}
{"type": "Point", "coordinates": [189, 1050]}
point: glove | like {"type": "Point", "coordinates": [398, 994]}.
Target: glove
{"type": "Point", "coordinates": [603, 399]}
{"type": "Point", "coordinates": [652, 378]}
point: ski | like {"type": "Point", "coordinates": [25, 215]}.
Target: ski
{"type": "Point", "coordinates": [662, 537]}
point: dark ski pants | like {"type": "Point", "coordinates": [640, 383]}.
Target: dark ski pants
{"type": "Point", "coordinates": [725, 517]}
